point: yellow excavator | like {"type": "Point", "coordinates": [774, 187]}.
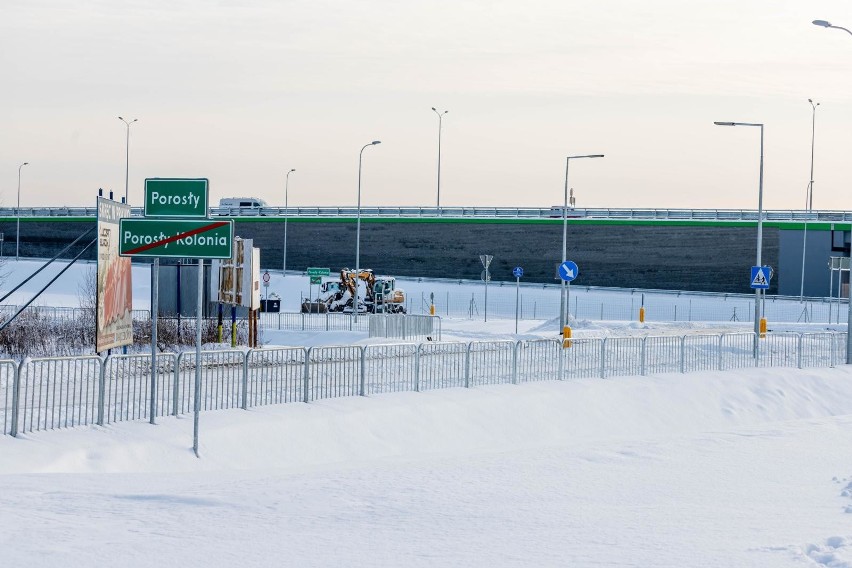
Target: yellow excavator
{"type": "Point", "coordinates": [382, 295]}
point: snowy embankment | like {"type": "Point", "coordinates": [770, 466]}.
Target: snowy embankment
{"type": "Point", "coordinates": [706, 469]}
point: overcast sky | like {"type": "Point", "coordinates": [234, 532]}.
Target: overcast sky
{"type": "Point", "coordinates": [240, 92]}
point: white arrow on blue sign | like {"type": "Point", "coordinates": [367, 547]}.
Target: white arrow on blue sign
{"type": "Point", "coordinates": [568, 271]}
{"type": "Point", "coordinates": [518, 271]}
{"type": "Point", "coordinates": [760, 276]}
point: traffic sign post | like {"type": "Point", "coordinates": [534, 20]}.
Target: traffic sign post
{"type": "Point", "coordinates": [568, 271]}
{"type": "Point", "coordinates": [517, 272]}
{"type": "Point", "coordinates": [176, 198]}
{"type": "Point", "coordinates": [159, 238]}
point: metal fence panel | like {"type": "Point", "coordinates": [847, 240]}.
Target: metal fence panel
{"type": "Point", "coordinates": [622, 356]}
{"type": "Point", "coordinates": [538, 360]}
{"type": "Point", "coordinates": [582, 359]}
{"type": "Point", "coordinates": [736, 351]}
{"type": "Point", "coordinates": [663, 354]}
{"type": "Point", "coordinates": [59, 392]}
{"type": "Point", "coordinates": [441, 365]}
{"type": "Point", "coordinates": [779, 350]}
{"type": "Point", "coordinates": [8, 370]}
{"type": "Point", "coordinates": [490, 362]}
{"type": "Point", "coordinates": [390, 368]}
{"type": "Point", "coordinates": [817, 349]}
{"type": "Point", "coordinates": [701, 353]}
{"type": "Point", "coordinates": [334, 371]}
{"type": "Point", "coordinates": [221, 380]}
{"type": "Point", "coordinates": [275, 376]}
{"type": "Point", "coordinates": [127, 386]}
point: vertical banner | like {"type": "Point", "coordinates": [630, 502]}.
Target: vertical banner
{"type": "Point", "coordinates": [114, 319]}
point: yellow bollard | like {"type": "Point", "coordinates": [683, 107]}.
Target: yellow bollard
{"type": "Point", "coordinates": [642, 314]}
{"type": "Point", "coordinates": [762, 328]}
{"type": "Point", "coordinates": [566, 337]}
{"type": "Point", "coordinates": [432, 310]}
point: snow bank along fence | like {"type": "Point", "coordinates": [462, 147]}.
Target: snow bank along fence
{"type": "Point", "coordinates": [52, 393]}
{"type": "Point", "coordinates": [396, 326]}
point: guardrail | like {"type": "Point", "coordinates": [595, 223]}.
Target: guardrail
{"type": "Point", "coordinates": [388, 326]}
{"type": "Point", "coordinates": [473, 212]}
{"type": "Point", "coordinates": [64, 392]}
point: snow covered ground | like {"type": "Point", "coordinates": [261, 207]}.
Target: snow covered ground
{"type": "Point", "coordinates": [706, 469]}
{"type": "Point", "coordinates": [745, 468]}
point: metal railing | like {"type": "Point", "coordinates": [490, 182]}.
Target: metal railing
{"type": "Point", "coordinates": [63, 392]}
{"type": "Point", "coordinates": [471, 212]}
{"type": "Point", "coordinates": [388, 326]}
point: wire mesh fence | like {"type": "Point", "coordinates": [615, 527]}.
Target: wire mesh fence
{"type": "Point", "coordinates": [63, 392]}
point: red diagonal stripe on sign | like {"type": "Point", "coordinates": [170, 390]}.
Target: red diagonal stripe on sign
{"type": "Point", "coordinates": [155, 244]}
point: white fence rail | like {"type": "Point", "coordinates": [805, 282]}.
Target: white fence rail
{"type": "Point", "coordinates": [63, 392]}
{"type": "Point", "coordinates": [388, 326]}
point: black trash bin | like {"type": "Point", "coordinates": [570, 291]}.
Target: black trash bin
{"type": "Point", "coordinates": [270, 305]}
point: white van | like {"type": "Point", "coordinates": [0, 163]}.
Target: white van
{"type": "Point", "coordinates": [241, 206]}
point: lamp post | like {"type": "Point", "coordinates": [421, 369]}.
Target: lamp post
{"type": "Point", "coordinates": [809, 200]}
{"type": "Point", "coordinates": [18, 214]}
{"type": "Point", "coordinates": [440, 128]}
{"type": "Point", "coordinates": [824, 24]}
{"type": "Point", "coordinates": [358, 230]}
{"type": "Point", "coordinates": [286, 193]}
{"type": "Point", "coordinates": [759, 233]}
{"type": "Point", "coordinates": [127, 157]}
{"type": "Point", "coordinates": [563, 302]}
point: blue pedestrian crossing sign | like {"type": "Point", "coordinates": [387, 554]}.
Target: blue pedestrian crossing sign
{"type": "Point", "coordinates": [568, 271]}
{"type": "Point", "coordinates": [518, 271]}
{"type": "Point", "coordinates": [760, 276]}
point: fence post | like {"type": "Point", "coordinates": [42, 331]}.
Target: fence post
{"type": "Point", "coordinates": [16, 399]}
{"type": "Point", "coordinates": [800, 344]}
{"type": "Point", "coordinates": [683, 354]}
{"type": "Point", "coordinates": [561, 360]}
{"type": "Point", "coordinates": [467, 366]}
{"type": "Point", "coordinates": [721, 338]}
{"type": "Point", "coordinates": [102, 390]}
{"type": "Point", "coordinates": [404, 318]}
{"type": "Point", "coordinates": [176, 387]}
{"type": "Point", "coordinates": [515, 362]}
{"type": "Point", "coordinates": [308, 371]}
{"type": "Point", "coordinates": [603, 358]}
{"type": "Point", "coordinates": [642, 357]}
{"type": "Point", "coordinates": [833, 348]}
{"type": "Point", "coordinates": [417, 368]}
{"type": "Point", "coordinates": [363, 370]}
{"type": "Point", "coordinates": [245, 377]}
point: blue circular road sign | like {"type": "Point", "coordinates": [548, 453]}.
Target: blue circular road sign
{"type": "Point", "coordinates": [568, 271]}
{"type": "Point", "coordinates": [518, 271]}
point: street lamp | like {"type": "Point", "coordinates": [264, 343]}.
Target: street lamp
{"type": "Point", "coordinates": [440, 125]}
{"type": "Point", "coordinates": [824, 24]}
{"type": "Point", "coordinates": [809, 201]}
{"type": "Point", "coordinates": [563, 306]}
{"type": "Point", "coordinates": [759, 233]}
{"type": "Point", "coordinates": [358, 230]}
{"type": "Point", "coordinates": [127, 157]}
{"type": "Point", "coordinates": [18, 214]}
{"type": "Point", "coordinates": [286, 192]}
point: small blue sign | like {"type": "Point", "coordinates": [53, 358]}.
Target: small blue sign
{"type": "Point", "coordinates": [568, 271]}
{"type": "Point", "coordinates": [760, 276]}
{"type": "Point", "coordinates": [518, 271]}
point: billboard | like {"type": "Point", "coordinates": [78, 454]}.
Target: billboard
{"type": "Point", "coordinates": [114, 320]}
{"type": "Point", "coordinates": [236, 281]}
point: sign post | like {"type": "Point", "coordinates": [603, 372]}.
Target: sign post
{"type": "Point", "coordinates": [176, 226]}
{"type": "Point", "coordinates": [568, 271]}
{"type": "Point", "coordinates": [517, 272]}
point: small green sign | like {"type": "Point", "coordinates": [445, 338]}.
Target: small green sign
{"type": "Point", "coordinates": [319, 271]}
{"type": "Point", "coordinates": [166, 238]}
{"type": "Point", "coordinates": [172, 197]}
{"type": "Point", "coordinates": [316, 279]}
